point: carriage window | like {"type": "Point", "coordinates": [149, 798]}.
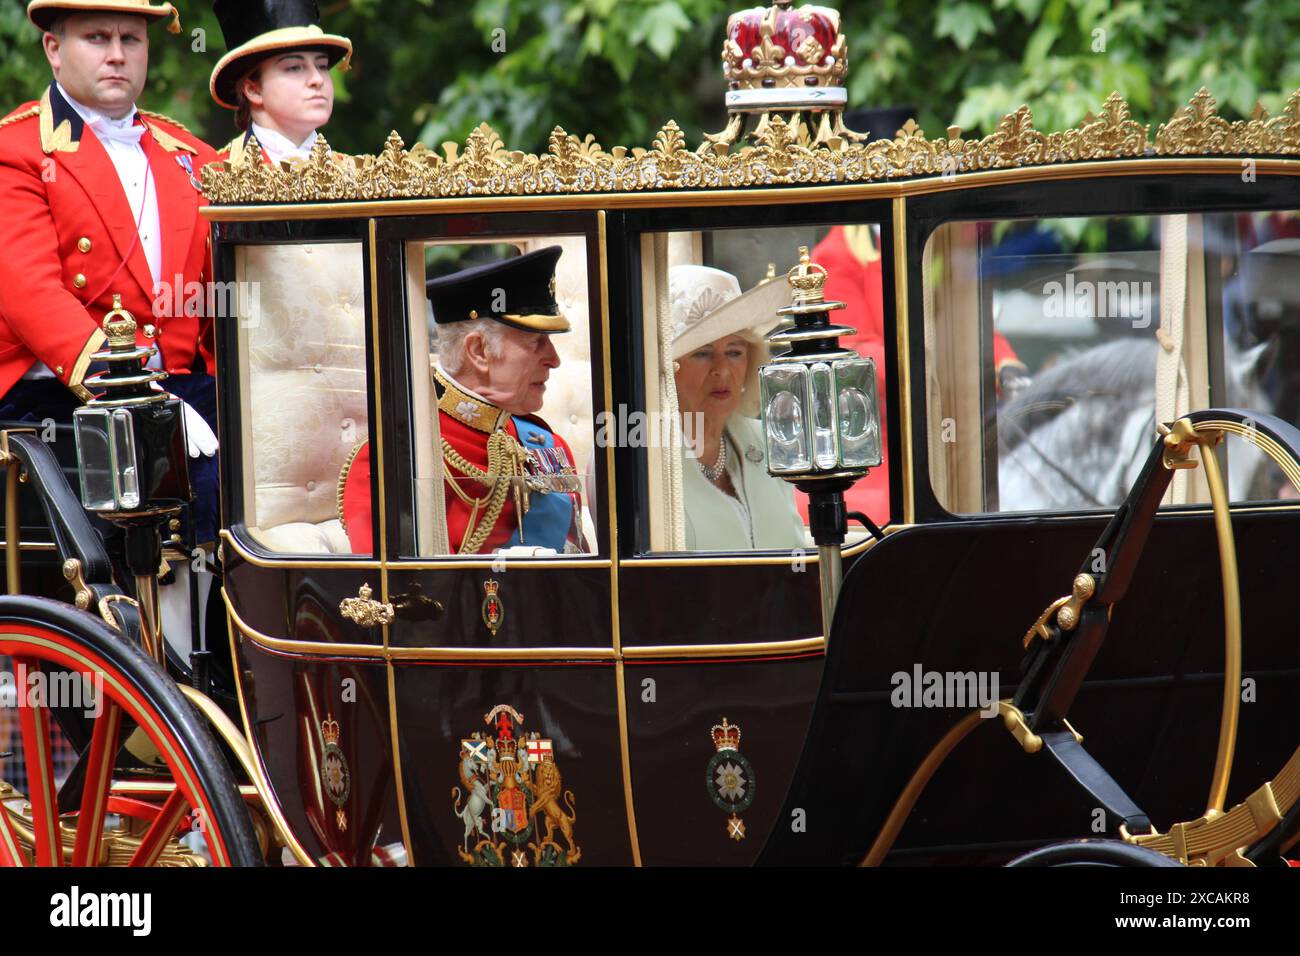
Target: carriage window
{"type": "Point", "coordinates": [503, 460]}
{"type": "Point", "coordinates": [708, 299]}
{"type": "Point", "coordinates": [302, 363]}
{"type": "Point", "coordinates": [1054, 346]}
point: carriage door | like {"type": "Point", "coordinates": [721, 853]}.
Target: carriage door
{"type": "Point", "coordinates": [719, 621]}
{"type": "Point", "coordinates": [502, 655]}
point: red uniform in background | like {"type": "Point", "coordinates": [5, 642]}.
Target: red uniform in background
{"type": "Point", "coordinates": [852, 262]}
{"type": "Point", "coordinates": [67, 227]}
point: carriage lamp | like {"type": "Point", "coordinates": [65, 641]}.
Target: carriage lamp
{"type": "Point", "coordinates": [821, 418]}
{"type": "Point", "coordinates": [131, 457]}
{"type": "Point", "coordinates": [131, 448]}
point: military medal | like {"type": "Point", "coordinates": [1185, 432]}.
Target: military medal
{"type": "Point", "coordinates": [336, 778]}
{"type": "Point", "coordinates": [514, 801]}
{"type": "Point", "coordinates": [187, 164]}
{"type": "Point", "coordinates": [730, 778]}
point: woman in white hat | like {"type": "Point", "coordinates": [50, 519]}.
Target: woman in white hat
{"type": "Point", "coordinates": [276, 75]}
{"type": "Point", "coordinates": [731, 502]}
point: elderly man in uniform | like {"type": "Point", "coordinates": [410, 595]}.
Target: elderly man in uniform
{"type": "Point", "coordinates": [510, 481]}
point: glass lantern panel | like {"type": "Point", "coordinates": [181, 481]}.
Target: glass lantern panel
{"type": "Point", "coordinates": [822, 402]}
{"type": "Point", "coordinates": [859, 418]}
{"type": "Point", "coordinates": [783, 391]}
{"type": "Point", "coordinates": [94, 458]}
{"type": "Point", "coordinates": [124, 463]}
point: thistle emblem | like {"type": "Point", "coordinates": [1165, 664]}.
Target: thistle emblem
{"type": "Point", "coordinates": [729, 777]}
{"type": "Point", "coordinates": [335, 775]}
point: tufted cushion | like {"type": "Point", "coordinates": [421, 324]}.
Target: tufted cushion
{"type": "Point", "coordinates": [307, 387]}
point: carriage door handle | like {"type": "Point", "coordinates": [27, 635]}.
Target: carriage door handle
{"type": "Point", "coordinates": [415, 605]}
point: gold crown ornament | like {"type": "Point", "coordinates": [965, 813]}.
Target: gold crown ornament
{"type": "Point", "coordinates": [779, 47]}
{"type": "Point", "coordinates": [786, 63]}
{"type": "Point", "coordinates": [726, 736]}
{"type": "Point", "coordinates": [329, 728]}
{"type": "Point", "coordinates": [119, 325]}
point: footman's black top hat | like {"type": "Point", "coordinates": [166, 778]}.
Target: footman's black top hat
{"type": "Point", "coordinates": [519, 292]}
{"type": "Point", "coordinates": [256, 29]}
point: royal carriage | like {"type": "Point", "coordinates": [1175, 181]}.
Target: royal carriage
{"type": "Point", "coordinates": [638, 702]}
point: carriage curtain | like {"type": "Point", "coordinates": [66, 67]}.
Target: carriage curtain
{"type": "Point", "coordinates": [668, 518]}
{"type": "Point", "coordinates": [950, 280]}
{"type": "Point", "coordinates": [431, 538]}
{"type": "Point", "coordinates": [1182, 361]}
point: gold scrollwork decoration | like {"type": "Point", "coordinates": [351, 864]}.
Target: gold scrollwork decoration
{"type": "Point", "coordinates": [366, 612]}
{"type": "Point", "coordinates": [785, 148]}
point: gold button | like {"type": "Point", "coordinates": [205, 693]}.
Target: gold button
{"type": "Point", "coordinates": [79, 281]}
{"type": "Point", "coordinates": [473, 314]}
{"type": "Point", "coordinates": [83, 244]}
{"type": "Point", "coordinates": [150, 331]}
{"type": "Point", "coordinates": [58, 370]}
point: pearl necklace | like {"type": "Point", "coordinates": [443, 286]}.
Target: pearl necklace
{"type": "Point", "coordinates": [714, 473]}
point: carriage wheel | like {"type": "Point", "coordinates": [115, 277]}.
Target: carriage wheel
{"type": "Point", "coordinates": [1093, 853]}
{"type": "Point", "coordinates": [141, 709]}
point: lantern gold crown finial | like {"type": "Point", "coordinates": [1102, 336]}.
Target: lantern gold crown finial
{"type": "Point", "coordinates": [119, 325]}
{"type": "Point", "coordinates": [808, 279]}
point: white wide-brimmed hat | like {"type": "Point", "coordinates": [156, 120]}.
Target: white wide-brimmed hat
{"type": "Point", "coordinates": [707, 305]}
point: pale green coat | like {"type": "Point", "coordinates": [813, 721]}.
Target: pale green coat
{"type": "Point", "coordinates": [713, 520]}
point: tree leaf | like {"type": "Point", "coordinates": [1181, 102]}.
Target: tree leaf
{"type": "Point", "coordinates": [963, 22]}
{"type": "Point", "coordinates": [660, 26]}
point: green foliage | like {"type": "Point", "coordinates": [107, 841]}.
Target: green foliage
{"type": "Point", "coordinates": [620, 69]}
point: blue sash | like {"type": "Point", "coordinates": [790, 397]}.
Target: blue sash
{"type": "Point", "coordinates": [550, 515]}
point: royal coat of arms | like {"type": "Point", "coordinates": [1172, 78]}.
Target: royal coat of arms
{"type": "Point", "coordinates": [512, 792]}
{"type": "Point", "coordinates": [730, 778]}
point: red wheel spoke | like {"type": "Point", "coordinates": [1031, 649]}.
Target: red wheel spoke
{"type": "Point", "coordinates": [35, 721]}
{"type": "Point", "coordinates": [99, 775]}
{"type": "Point", "coordinates": [161, 830]}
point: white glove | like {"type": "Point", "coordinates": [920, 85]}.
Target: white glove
{"type": "Point", "coordinates": [201, 439]}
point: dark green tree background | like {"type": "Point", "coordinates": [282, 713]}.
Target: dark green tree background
{"type": "Point", "coordinates": [435, 69]}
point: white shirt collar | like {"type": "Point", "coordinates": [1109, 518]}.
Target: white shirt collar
{"type": "Point", "coordinates": [279, 147]}
{"type": "Point", "coordinates": [94, 117]}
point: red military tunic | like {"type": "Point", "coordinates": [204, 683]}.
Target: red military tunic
{"type": "Point", "coordinates": [66, 226]}
{"type": "Point", "coordinates": [467, 424]}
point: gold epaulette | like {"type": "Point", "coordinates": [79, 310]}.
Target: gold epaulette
{"type": "Point", "coordinates": [18, 117]}
{"type": "Point", "coordinates": [167, 119]}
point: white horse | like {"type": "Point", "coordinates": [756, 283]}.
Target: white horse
{"type": "Point", "coordinates": [1078, 436]}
